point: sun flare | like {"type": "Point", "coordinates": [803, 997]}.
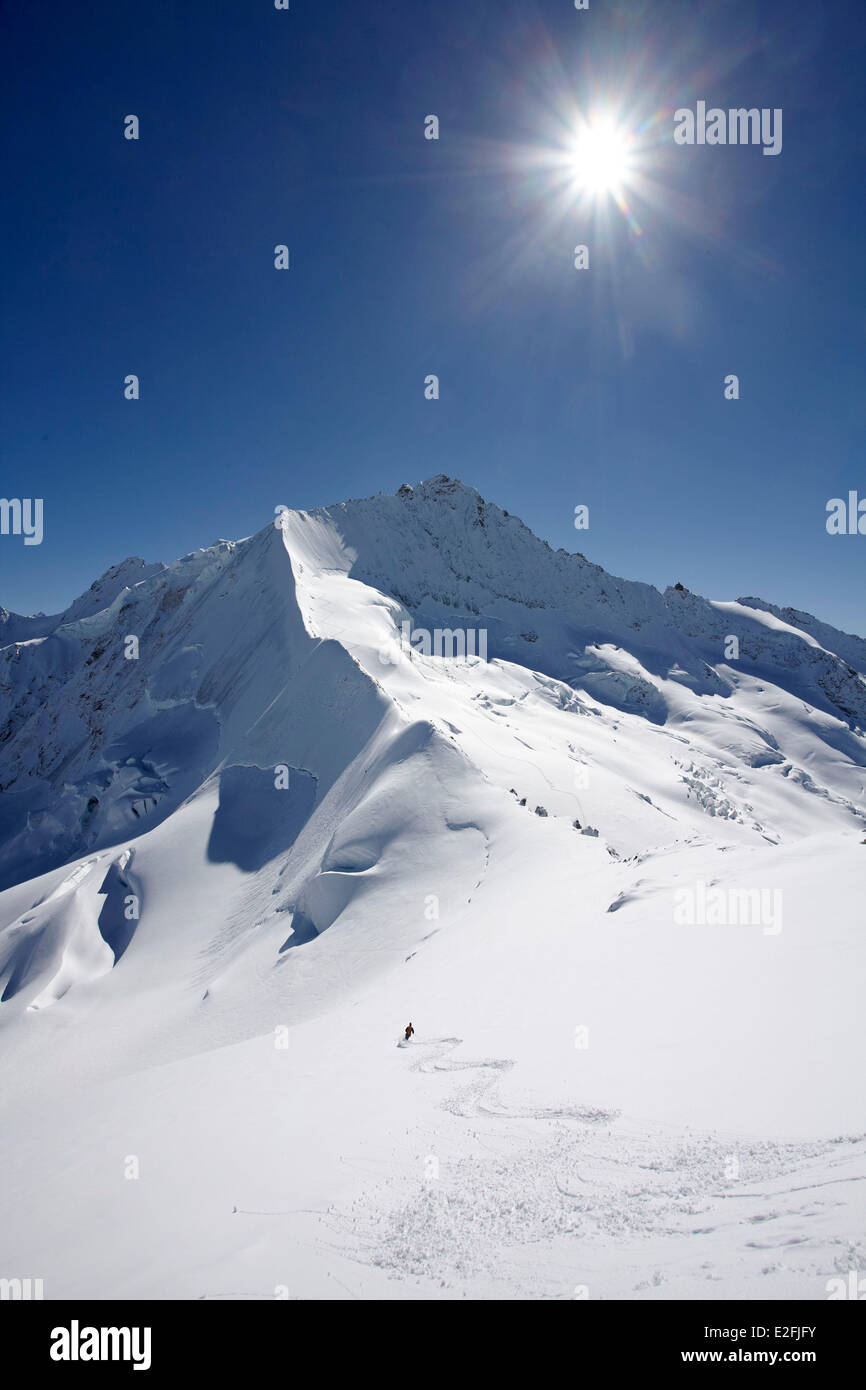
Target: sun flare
{"type": "Point", "coordinates": [600, 157]}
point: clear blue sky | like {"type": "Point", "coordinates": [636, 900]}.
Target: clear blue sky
{"type": "Point", "coordinates": [409, 256]}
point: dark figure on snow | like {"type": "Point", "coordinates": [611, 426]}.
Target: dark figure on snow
{"type": "Point", "coordinates": [409, 1031]}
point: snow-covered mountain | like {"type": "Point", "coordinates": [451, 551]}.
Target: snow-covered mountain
{"type": "Point", "coordinates": [613, 873]}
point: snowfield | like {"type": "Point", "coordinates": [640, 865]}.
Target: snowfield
{"type": "Point", "coordinates": [613, 875]}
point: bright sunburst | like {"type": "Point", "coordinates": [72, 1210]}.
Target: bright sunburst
{"type": "Point", "coordinates": [596, 162]}
{"type": "Point", "coordinates": [600, 158]}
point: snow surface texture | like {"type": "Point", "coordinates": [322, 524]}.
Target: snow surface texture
{"type": "Point", "coordinates": [235, 865]}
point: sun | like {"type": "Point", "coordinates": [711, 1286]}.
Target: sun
{"type": "Point", "coordinates": [594, 161]}
{"type": "Point", "coordinates": [600, 157]}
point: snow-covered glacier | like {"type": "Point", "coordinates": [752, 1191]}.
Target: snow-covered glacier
{"type": "Point", "coordinates": [257, 812]}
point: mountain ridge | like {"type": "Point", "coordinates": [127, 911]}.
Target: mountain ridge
{"type": "Point", "coordinates": [92, 741]}
{"type": "Point", "coordinates": [439, 487]}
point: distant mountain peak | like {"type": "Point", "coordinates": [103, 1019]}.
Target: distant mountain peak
{"type": "Point", "coordinates": [439, 488]}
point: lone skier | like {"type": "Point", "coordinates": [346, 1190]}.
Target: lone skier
{"type": "Point", "coordinates": [409, 1031]}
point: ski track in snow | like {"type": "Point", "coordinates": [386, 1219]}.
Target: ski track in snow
{"type": "Point", "coordinates": [468, 1101]}
{"type": "Point", "coordinates": [576, 1181]}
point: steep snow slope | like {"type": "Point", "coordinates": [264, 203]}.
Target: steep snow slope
{"type": "Point", "coordinates": [239, 861]}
